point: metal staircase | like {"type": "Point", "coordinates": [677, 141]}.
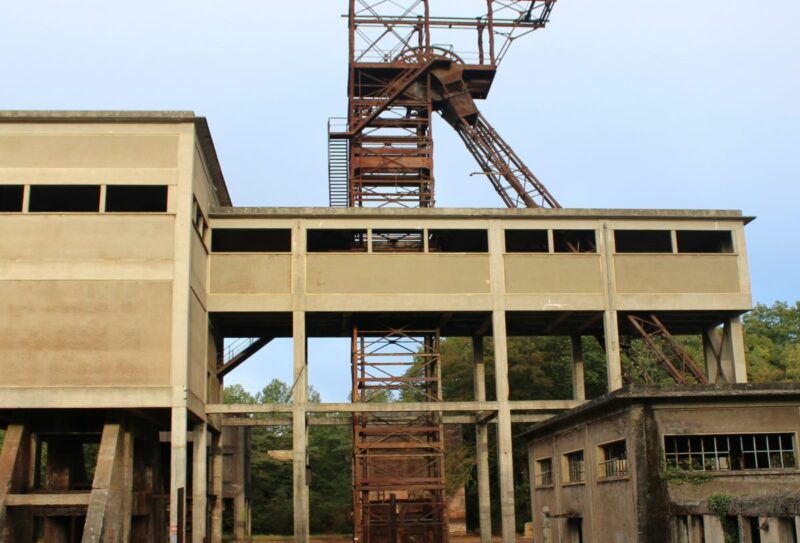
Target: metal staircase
{"type": "Point", "coordinates": [338, 165]}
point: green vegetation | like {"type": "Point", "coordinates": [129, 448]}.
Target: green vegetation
{"type": "Point", "coordinates": [539, 368]}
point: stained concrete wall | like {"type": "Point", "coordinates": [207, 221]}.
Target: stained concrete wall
{"type": "Point", "coordinates": [630, 508]}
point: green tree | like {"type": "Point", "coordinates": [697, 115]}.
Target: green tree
{"type": "Point", "coordinates": [772, 342]}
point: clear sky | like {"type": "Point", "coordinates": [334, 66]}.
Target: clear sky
{"type": "Point", "coordinates": [627, 104]}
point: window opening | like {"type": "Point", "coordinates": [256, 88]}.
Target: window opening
{"type": "Point", "coordinates": [198, 219]}
{"type": "Point", "coordinates": [614, 459]}
{"type": "Point", "coordinates": [136, 198]}
{"type": "Point", "coordinates": [643, 241]}
{"type": "Point", "coordinates": [11, 197]}
{"type": "Point", "coordinates": [251, 240]}
{"type": "Point", "coordinates": [574, 241]}
{"type": "Point", "coordinates": [544, 475]}
{"type": "Point", "coordinates": [64, 198]}
{"type": "Point", "coordinates": [527, 241]}
{"type": "Point", "coordinates": [458, 241]}
{"type": "Point", "coordinates": [326, 241]}
{"type": "Point", "coordinates": [730, 452]}
{"type": "Point", "coordinates": [574, 465]}
{"type": "Point", "coordinates": [704, 241]}
{"type": "Point", "coordinates": [397, 241]}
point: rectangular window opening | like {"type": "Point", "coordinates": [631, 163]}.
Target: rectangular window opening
{"type": "Point", "coordinates": [643, 241]}
{"type": "Point", "coordinates": [11, 197]}
{"type": "Point", "coordinates": [136, 198]}
{"type": "Point", "coordinates": [574, 241]}
{"type": "Point", "coordinates": [251, 240]}
{"type": "Point", "coordinates": [458, 241]}
{"type": "Point", "coordinates": [397, 241]}
{"type": "Point", "coordinates": [336, 241]}
{"type": "Point", "coordinates": [731, 452]}
{"type": "Point", "coordinates": [544, 472]}
{"type": "Point", "coordinates": [527, 241]}
{"type": "Point", "coordinates": [573, 467]}
{"type": "Point", "coordinates": [64, 198]}
{"type": "Point", "coordinates": [613, 459]}
{"type": "Point", "coordinates": [704, 241]}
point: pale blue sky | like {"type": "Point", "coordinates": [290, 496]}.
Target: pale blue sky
{"type": "Point", "coordinates": [628, 104]}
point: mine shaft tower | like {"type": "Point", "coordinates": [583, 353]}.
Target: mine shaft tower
{"type": "Point", "coordinates": [382, 153]}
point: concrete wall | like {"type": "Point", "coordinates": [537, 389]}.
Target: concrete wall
{"type": "Point", "coordinates": [88, 300]}
{"type": "Point", "coordinates": [348, 281]}
{"type": "Point", "coordinates": [625, 508]}
{"type": "Point", "coordinates": [605, 505]}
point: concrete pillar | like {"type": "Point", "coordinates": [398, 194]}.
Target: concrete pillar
{"type": "Point", "coordinates": [733, 359]}
{"type": "Point", "coordinates": [505, 461]}
{"type": "Point", "coordinates": [482, 444]}
{"type": "Point", "coordinates": [241, 515]}
{"type": "Point", "coordinates": [300, 429]}
{"type": "Point", "coordinates": [712, 353]}
{"type": "Point", "coordinates": [216, 488]}
{"type": "Point", "coordinates": [177, 475]}
{"type": "Point", "coordinates": [200, 483]}
{"type": "Point", "coordinates": [613, 358]}
{"type": "Point", "coordinates": [578, 386]}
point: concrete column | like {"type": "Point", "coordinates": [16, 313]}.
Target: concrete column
{"type": "Point", "coordinates": [505, 462]}
{"type": "Point", "coordinates": [733, 360]}
{"type": "Point", "coordinates": [613, 358]}
{"type": "Point", "coordinates": [578, 386]}
{"type": "Point", "coordinates": [241, 516]}
{"type": "Point", "coordinates": [216, 488]}
{"type": "Point", "coordinates": [712, 353]}
{"type": "Point", "coordinates": [482, 444]}
{"type": "Point", "coordinates": [177, 474]}
{"type": "Point", "coordinates": [300, 429]}
{"type": "Point", "coordinates": [200, 483]}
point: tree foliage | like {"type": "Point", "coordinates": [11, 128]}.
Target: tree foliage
{"type": "Point", "coordinates": [330, 453]}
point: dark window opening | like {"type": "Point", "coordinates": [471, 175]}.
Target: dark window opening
{"type": "Point", "coordinates": [11, 197]}
{"type": "Point", "coordinates": [574, 241]}
{"type": "Point", "coordinates": [342, 241]}
{"type": "Point", "coordinates": [251, 240]}
{"type": "Point", "coordinates": [544, 477]}
{"type": "Point", "coordinates": [704, 241]}
{"type": "Point", "coordinates": [67, 198]}
{"type": "Point", "coordinates": [397, 241]}
{"type": "Point", "coordinates": [730, 452]}
{"type": "Point", "coordinates": [527, 241]}
{"type": "Point", "coordinates": [136, 198]}
{"type": "Point", "coordinates": [199, 220]}
{"type": "Point", "coordinates": [643, 241]}
{"type": "Point", "coordinates": [574, 467]}
{"type": "Point", "coordinates": [614, 459]}
{"type": "Point", "coordinates": [458, 241]}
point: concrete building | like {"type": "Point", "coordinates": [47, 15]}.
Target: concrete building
{"type": "Point", "coordinates": [124, 268]}
{"type": "Point", "coordinates": [678, 464]}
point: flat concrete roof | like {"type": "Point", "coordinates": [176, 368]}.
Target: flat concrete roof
{"type": "Point", "coordinates": [677, 394]}
{"type": "Point", "coordinates": [477, 213]}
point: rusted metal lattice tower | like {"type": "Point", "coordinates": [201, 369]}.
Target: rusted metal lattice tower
{"type": "Point", "coordinates": [382, 153]}
{"type": "Point", "coordinates": [398, 472]}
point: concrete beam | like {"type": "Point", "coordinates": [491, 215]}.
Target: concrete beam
{"type": "Point", "coordinates": [399, 407]}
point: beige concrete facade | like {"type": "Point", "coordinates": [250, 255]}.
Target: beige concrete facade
{"type": "Point", "coordinates": [647, 497]}
{"type": "Point", "coordinates": [129, 310]}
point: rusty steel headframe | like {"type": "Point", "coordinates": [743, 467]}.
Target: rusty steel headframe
{"type": "Point", "coordinates": [382, 153]}
{"type": "Point", "coordinates": [398, 458]}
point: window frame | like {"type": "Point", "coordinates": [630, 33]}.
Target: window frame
{"type": "Point", "coordinates": [567, 467]}
{"type": "Point", "coordinates": [603, 461]}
